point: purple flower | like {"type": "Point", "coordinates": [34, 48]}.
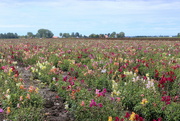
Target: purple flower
{"type": "Point", "coordinates": [1, 110]}
{"type": "Point", "coordinates": [92, 103]}
{"type": "Point", "coordinates": [111, 98]}
{"type": "Point", "coordinates": [104, 90]}
{"type": "Point", "coordinates": [65, 78]}
{"type": "Point", "coordinates": [101, 93]}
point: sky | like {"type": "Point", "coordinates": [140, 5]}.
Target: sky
{"type": "Point", "coordinates": [133, 17]}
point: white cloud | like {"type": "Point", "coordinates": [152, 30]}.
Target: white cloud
{"type": "Point", "coordinates": [16, 26]}
{"type": "Point", "coordinates": [90, 15]}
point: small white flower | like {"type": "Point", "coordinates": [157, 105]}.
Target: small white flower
{"type": "Point", "coordinates": [66, 106]}
{"type": "Point", "coordinates": [103, 71]}
{"type": "Point", "coordinates": [8, 97]}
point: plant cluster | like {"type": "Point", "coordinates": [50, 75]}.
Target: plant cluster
{"type": "Point", "coordinates": [99, 80]}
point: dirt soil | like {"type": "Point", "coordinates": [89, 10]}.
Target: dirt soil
{"type": "Point", "coordinates": [54, 108]}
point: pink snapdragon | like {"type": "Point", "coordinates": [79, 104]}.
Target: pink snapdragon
{"type": "Point", "coordinates": [93, 103]}
{"type": "Point", "coordinates": [1, 110]}
{"type": "Point", "coordinates": [102, 93]}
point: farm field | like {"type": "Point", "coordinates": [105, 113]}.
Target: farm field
{"type": "Point", "coordinates": [86, 79]}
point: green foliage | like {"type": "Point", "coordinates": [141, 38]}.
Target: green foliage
{"type": "Point", "coordinates": [28, 114]}
{"type": "Point", "coordinates": [14, 97]}
{"type": "Point", "coordinates": [30, 35]}
{"type": "Point", "coordinates": [44, 33]}
{"type": "Point", "coordinates": [178, 35]}
{"type": "Point", "coordinates": [64, 65]}
{"type": "Point", "coordinates": [121, 35]}
{"type": "Point", "coordinates": [8, 35]}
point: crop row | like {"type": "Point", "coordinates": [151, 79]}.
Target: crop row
{"type": "Point", "coordinates": [98, 79]}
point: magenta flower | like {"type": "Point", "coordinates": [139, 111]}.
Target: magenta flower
{"type": "Point", "coordinates": [92, 103]}
{"type": "Point", "coordinates": [166, 99]}
{"type": "Point", "coordinates": [97, 92]}
{"type": "Point", "coordinates": [112, 99]}
{"type": "Point", "coordinates": [117, 119]}
{"type": "Point", "coordinates": [3, 67]}
{"type": "Point", "coordinates": [82, 81]}
{"type": "Point", "coordinates": [1, 110]}
{"type": "Point", "coordinates": [127, 115]}
{"type": "Point", "coordinates": [159, 119]}
{"type": "Point", "coordinates": [101, 93]}
{"type": "Point", "coordinates": [71, 82]}
{"type": "Point", "coordinates": [65, 78]}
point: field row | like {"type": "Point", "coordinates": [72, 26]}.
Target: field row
{"type": "Point", "coordinates": [98, 79]}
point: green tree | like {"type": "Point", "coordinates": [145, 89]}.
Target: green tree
{"type": "Point", "coordinates": [44, 33]}
{"type": "Point", "coordinates": [5, 35]}
{"type": "Point", "coordinates": [121, 35]}
{"type": "Point", "coordinates": [30, 35]}
{"type": "Point", "coordinates": [101, 36]}
{"type": "Point", "coordinates": [66, 35]}
{"type": "Point", "coordinates": [8, 35]}
{"type": "Point", "coordinates": [72, 35]}
{"type": "Point", "coordinates": [16, 35]}
{"type": "Point", "coordinates": [178, 35]}
{"type": "Point", "coordinates": [92, 36]}
{"type": "Point", "coordinates": [80, 36]}
{"type": "Point", "coordinates": [77, 35]}
{"type": "Point", "coordinates": [60, 34]}
{"type": "Point", "coordinates": [1, 36]}
{"type": "Point", "coordinates": [113, 35]}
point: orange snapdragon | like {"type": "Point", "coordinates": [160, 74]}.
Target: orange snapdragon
{"type": "Point", "coordinates": [82, 103]}
{"type": "Point", "coordinates": [28, 96]}
{"type": "Point", "coordinates": [8, 110]}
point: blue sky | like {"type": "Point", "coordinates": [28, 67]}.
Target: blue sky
{"type": "Point", "coordinates": [134, 17]}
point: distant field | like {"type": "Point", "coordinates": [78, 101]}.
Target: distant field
{"type": "Point", "coordinates": [126, 38]}
{"type": "Point", "coordinates": [135, 79]}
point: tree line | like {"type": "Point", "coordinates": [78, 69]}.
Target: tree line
{"type": "Point", "coordinates": [77, 35]}
{"type": "Point", "coordinates": [45, 33]}
{"type": "Point", "coordinates": [8, 35]}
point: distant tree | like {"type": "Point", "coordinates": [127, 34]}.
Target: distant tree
{"type": "Point", "coordinates": [38, 35]}
{"type": "Point", "coordinates": [121, 35]}
{"type": "Point", "coordinates": [5, 35]}
{"type": "Point", "coordinates": [72, 35]}
{"type": "Point", "coordinates": [80, 36]}
{"type": "Point", "coordinates": [93, 36]}
{"type": "Point", "coordinates": [101, 36]}
{"type": "Point", "coordinates": [77, 35]}
{"type": "Point", "coordinates": [60, 34]}
{"type": "Point", "coordinates": [66, 35]}
{"type": "Point", "coordinates": [1, 36]}
{"type": "Point", "coordinates": [30, 35]}
{"type": "Point", "coordinates": [16, 35]}
{"type": "Point", "coordinates": [8, 35]}
{"type": "Point", "coordinates": [178, 35]}
{"type": "Point", "coordinates": [44, 33]}
{"type": "Point", "coordinates": [113, 35]}
{"type": "Point", "coordinates": [85, 36]}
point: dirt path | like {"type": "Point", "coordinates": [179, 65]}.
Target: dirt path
{"type": "Point", "coordinates": [54, 108]}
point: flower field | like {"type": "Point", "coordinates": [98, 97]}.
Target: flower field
{"type": "Point", "coordinates": [98, 80]}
